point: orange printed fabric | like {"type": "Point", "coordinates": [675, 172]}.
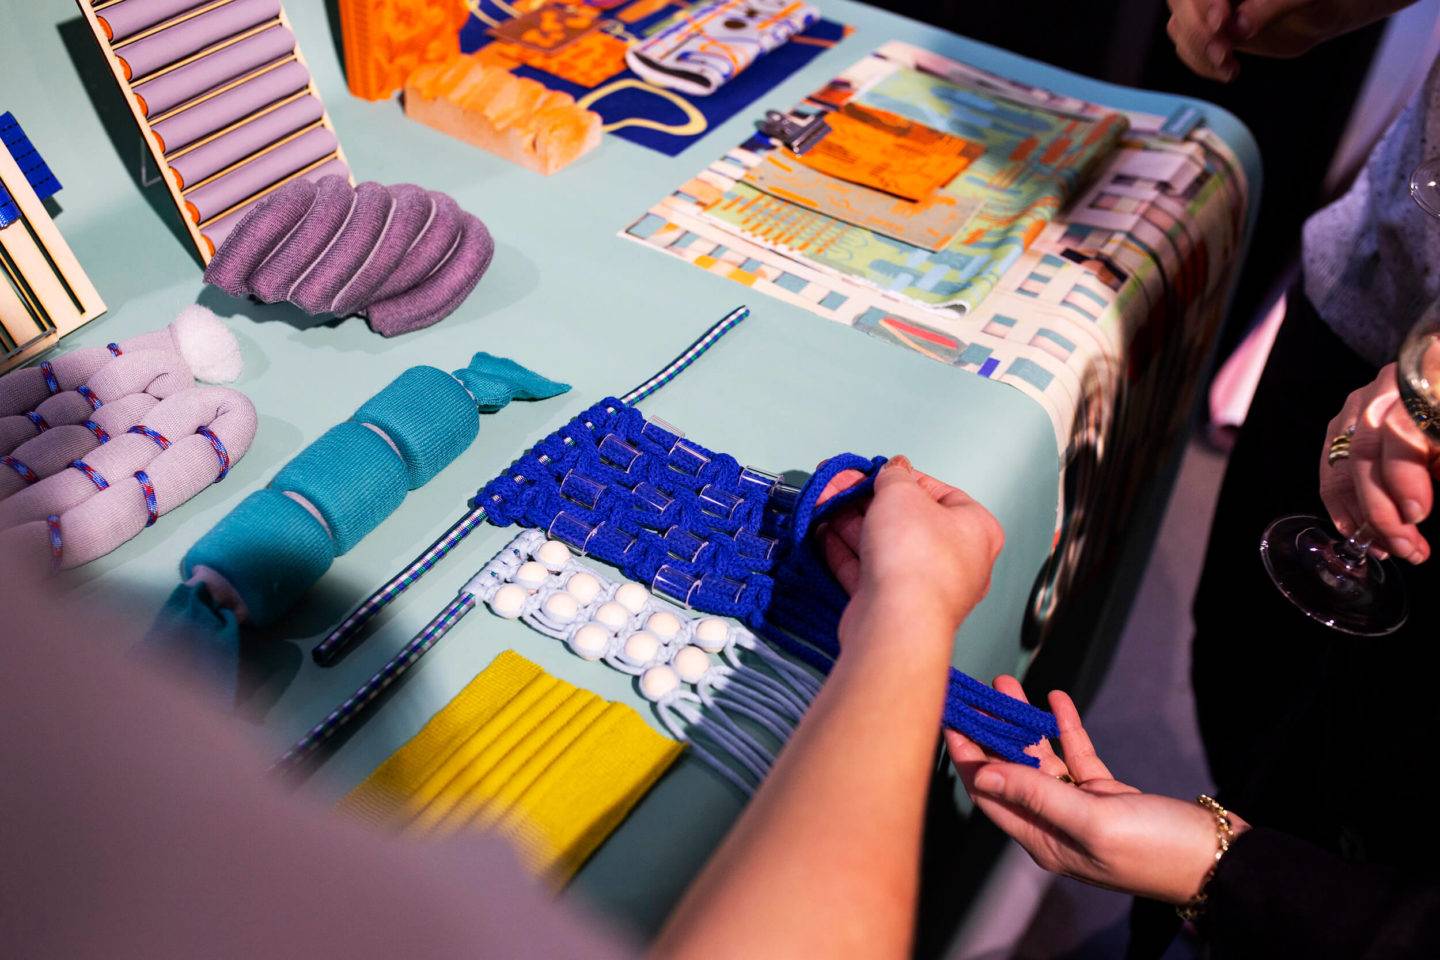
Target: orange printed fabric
{"type": "Point", "coordinates": [386, 39]}
{"type": "Point", "coordinates": [883, 150]}
{"type": "Point", "coordinates": [588, 62]}
{"type": "Point", "coordinates": [549, 28]}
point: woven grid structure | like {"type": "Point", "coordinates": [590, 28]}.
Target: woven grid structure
{"type": "Point", "coordinates": [711, 534]}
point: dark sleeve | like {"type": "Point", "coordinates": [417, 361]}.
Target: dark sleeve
{"type": "Point", "coordinates": [1276, 895]}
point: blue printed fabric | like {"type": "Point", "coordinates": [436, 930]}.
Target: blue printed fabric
{"type": "Point", "coordinates": [719, 537]}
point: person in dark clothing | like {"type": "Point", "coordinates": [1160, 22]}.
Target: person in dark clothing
{"type": "Point", "coordinates": [1309, 732]}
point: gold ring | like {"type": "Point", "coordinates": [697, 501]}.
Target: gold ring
{"type": "Point", "coordinates": [1339, 449]}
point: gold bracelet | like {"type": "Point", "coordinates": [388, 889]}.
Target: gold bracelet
{"type": "Point", "coordinates": [1224, 835]}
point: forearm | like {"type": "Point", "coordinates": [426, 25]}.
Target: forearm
{"type": "Point", "coordinates": [825, 860]}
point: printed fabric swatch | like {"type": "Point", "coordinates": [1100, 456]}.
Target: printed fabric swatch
{"type": "Point", "coordinates": [552, 767]}
{"type": "Point", "coordinates": [591, 65]}
{"type": "Point", "coordinates": [880, 149]}
{"type": "Point", "coordinates": [707, 47]}
{"type": "Point", "coordinates": [1034, 161]}
{"type": "Point", "coordinates": [932, 223]}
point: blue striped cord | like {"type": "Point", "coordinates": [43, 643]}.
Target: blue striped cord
{"type": "Point", "coordinates": [690, 354]}
{"type": "Point", "coordinates": [328, 651]}
{"type": "Point", "coordinates": [393, 670]}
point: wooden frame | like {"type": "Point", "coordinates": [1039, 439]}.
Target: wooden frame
{"type": "Point", "coordinates": [44, 293]}
{"type": "Point", "coordinates": [196, 231]}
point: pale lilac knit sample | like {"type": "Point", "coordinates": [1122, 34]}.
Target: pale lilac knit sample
{"type": "Point", "coordinates": [404, 256]}
{"type": "Point", "coordinates": [94, 521]}
{"type": "Point", "coordinates": [53, 450]}
{"type": "Point", "coordinates": [159, 373]}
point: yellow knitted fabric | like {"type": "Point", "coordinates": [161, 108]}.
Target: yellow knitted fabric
{"type": "Point", "coordinates": [552, 767]}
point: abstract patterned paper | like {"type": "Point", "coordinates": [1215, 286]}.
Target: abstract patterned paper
{"type": "Point", "coordinates": [1033, 161]}
{"type": "Point", "coordinates": [705, 48]}
{"type": "Point", "coordinates": [931, 224]}
{"type": "Point", "coordinates": [883, 150]}
{"type": "Point", "coordinates": [549, 28]}
{"type": "Point", "coordinates": [592, 68]}
{"type": "Point", "coordinates": [1103, 320]}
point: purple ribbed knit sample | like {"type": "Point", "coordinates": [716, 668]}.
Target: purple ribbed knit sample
{"type": "Point", "coordinates": [406, 256]}
{"type": "Point", "coordinates": [277, 273]}
{"type": "Point", "coordinates": [429, 250]}
{"type": "Point", "coordinates": [409, 215]}
{"type": "Point", "coordinates": [315, 292]}
{"type": "Point", "coordinates": [442, 291]}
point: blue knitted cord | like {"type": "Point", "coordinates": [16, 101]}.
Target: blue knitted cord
{"type": "Point", "coordinates": [707, 532]}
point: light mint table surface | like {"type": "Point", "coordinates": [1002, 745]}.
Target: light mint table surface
{"type": "Point", "coordinates": [568, 298]}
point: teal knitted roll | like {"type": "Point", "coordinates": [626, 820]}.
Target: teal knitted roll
{"type": "Point", "coordinates": [428, 415]}
{"type": "Point", "coordinates": [352, 476]}
{"type": "Point", "coordinates": [269, 548]}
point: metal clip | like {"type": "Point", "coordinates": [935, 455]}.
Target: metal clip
{"type": "Point", "coordinates": [797, 136]}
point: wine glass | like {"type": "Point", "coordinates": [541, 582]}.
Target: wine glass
{"type": "Point", "coordinates": [1335, 581]}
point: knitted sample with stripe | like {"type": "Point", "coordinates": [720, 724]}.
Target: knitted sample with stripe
{"type": "Point", "coordinates": [550, 766]}
{"type": "Point", "coordinates": [261, 558]}
{"type": "Point", "coordinates": [713, 535]}
{"type": "Point", "coordinates": [404, 256]}
{"type": "Point", "coordinates": [105, 496]}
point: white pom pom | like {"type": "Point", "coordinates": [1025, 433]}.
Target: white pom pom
{"type": "Point", "coordinates": [207, 345]}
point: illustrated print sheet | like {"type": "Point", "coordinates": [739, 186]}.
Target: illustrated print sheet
{"type": "Point", "coordinates": [1143, 244]}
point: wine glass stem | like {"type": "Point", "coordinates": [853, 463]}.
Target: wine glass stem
{"type": "Point", "coordinates": [1357, 546]}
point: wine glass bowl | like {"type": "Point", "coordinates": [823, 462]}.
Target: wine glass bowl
{"type": "Point", "coordinates": [1425, 186]}
{"type": "Point", "coordinates": [1332, 580]}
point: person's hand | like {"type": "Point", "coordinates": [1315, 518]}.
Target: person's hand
{"type": "Point", "coordinates": [917, 545]}
{"type": "Point", "coordinates": [1386, 481]}
{"type": "Point", "coordinates": [1199, 29]}
{"type": "Point", "coordinates": [1208, 33]}
{"type": "Point", "coordinates": [1097, 829]}
{"type": "Point", "coordinates": [1288, 28]}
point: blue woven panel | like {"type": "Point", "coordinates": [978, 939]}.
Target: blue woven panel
{"type": "Point", "coordinates": [719, 537]}
{"type": "Point", "coordinates": [42, 180]}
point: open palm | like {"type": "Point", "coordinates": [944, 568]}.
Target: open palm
{"type": "Point", "coordinates": [1096, 829]}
